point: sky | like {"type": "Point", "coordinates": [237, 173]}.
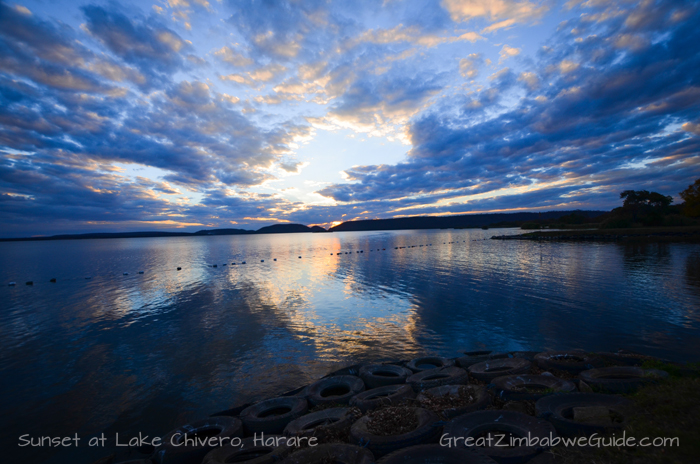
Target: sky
{"type": "Point", "coordinates": [192, 114]}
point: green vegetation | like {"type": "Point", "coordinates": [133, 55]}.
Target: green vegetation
{"type": "Point", "coordinates": [669, 409]}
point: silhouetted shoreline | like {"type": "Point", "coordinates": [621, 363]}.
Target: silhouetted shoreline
{"type": "Point", "coordinates": [466, 221]}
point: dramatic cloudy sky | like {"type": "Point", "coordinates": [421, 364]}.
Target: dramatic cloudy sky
{"type": "Point", "coordinates": [119, 116]}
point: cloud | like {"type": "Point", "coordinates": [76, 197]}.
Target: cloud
{"type": "Point", "coordinates": [150, 46]}
{"type": "Point", "coordinates": [502, 13]}
{"type": "Point", "coordinates": [507, 52]}
{"type": "Point", "coordinates": [469, 66]}
{"type": "Point", "coordinates": [228, 55]}
{"type": "Point", "coordinates": [603, 128]}
{"type": "Point", "coordinates": [610, 100]}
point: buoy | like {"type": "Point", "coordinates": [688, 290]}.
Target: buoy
{"type": "Point", "coordinates": [140, 272]}
{"type": "Point", "coordinates": [233, 264]}
{"type": "Point", "coordinates": [53, 280]}
{"type": "Point", "coordinates": [30, 282]}
{"type": "Point", "coordinates": [179, 268]}
{"type": "Point", "coordinates": [331, 254]}
{"type": "Point", "coordinates": [299, 257]}
{"type": "Point", "coordinates": [275, 259]}
{"type": "Point", "coordinates": [88, 278]}
{"type": "Point", "coordinates": [224, 264]}
{"type": "Point", "coordinates": [243, 262]}
{"type": "Point", "coordinates": [12, 284]}
{"type": "Point", "coordinates": [126, 273]}
{"type": "Point", "coordinates": [262, 260]}
{"type": "Point", "coordinates": [215, 265]}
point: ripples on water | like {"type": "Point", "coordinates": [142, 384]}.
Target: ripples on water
{"type": "Point", "coordinates": [129, 353]}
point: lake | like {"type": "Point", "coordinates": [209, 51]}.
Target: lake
{"type": "Point", "coordinates": [148, 352]}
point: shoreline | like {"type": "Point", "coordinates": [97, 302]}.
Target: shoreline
{"type": "Point", "coordinates": [646, 234]}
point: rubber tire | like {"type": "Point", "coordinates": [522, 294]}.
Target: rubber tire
{"type": "Point", "coordinates": [369, 374]}
{"type": "Point", "coordinates": [483, 399]}
{"type": "Point", "coordinates": [488, 370]}
{"type": "Point", "coordinates": [427, 431]}
{"type": "Point", "coordinates": [354, 385]}
{"type": "Point", "coordinates": [429, 362]}
{"type": "Point", "coordinates": [382, 396]}
{"type": "Point", "coordinates": [339, 453]}
{"type": "Point", "coordinates": [554, 408]}
{"type": "Point", "coordinates": [436, 454]}
{"type": "Point", "coordinates": [472, 357]}
{"type": "Point", "coordinates": [226, 454]}
{"type": "Point", "coordinates": [338, 418]}
{"type": "Point", "coordinates": [167, 453]}
{"type": "Point", "coordinates": [517, 423]}
{"type": "Point", "coordinates": [438, 377]}
{"type": "Point", "coordinates": [548, 360]}
{"type": "Point", "coordinates": [273, 424]}
{"type": "Point", "coordinates": [506, 386]}
{"type": "Point", "coordinates": [638, 377]}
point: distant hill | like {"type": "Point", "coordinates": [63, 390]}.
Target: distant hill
{"type": "Point", "coordinates": [275, 229]}
{"type": "Point", "coordinates": [450, 222]}
{"type": "Point", "coordinates": [284, 229]}
{"type": "Point", "coordinates": [422, 222]}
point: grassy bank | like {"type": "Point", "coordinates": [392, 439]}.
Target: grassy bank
{"type": "Point", "coordinates": [670, 409]}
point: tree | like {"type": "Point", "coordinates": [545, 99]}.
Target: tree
{"type": "Point", "coordinates": [646, 207]}
{"type": "Point", "coordinates": [691, 196]}
{"type": "Point", "coordinates": [637, 198]}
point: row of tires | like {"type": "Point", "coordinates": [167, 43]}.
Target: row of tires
{"type": "Point", "coordinates": [370, 387]}
{"type": "Point", "coordinates": [556, 415]}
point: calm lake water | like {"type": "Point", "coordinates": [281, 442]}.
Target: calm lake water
{"type": "Point", "coordinates": [148, 352]}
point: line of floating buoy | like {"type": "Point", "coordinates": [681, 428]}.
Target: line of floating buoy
{"type": "Point", "coordinates": [53, 280]}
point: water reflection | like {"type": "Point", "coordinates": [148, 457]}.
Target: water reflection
{"type": "Point", "coordinates": [148, 352]}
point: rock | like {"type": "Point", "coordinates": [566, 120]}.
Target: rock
{"type": "Point", "coordinates": [584, 387]}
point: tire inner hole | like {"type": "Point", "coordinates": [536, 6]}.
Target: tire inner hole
{"type": "Point", "coordinates": [337, 390]}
